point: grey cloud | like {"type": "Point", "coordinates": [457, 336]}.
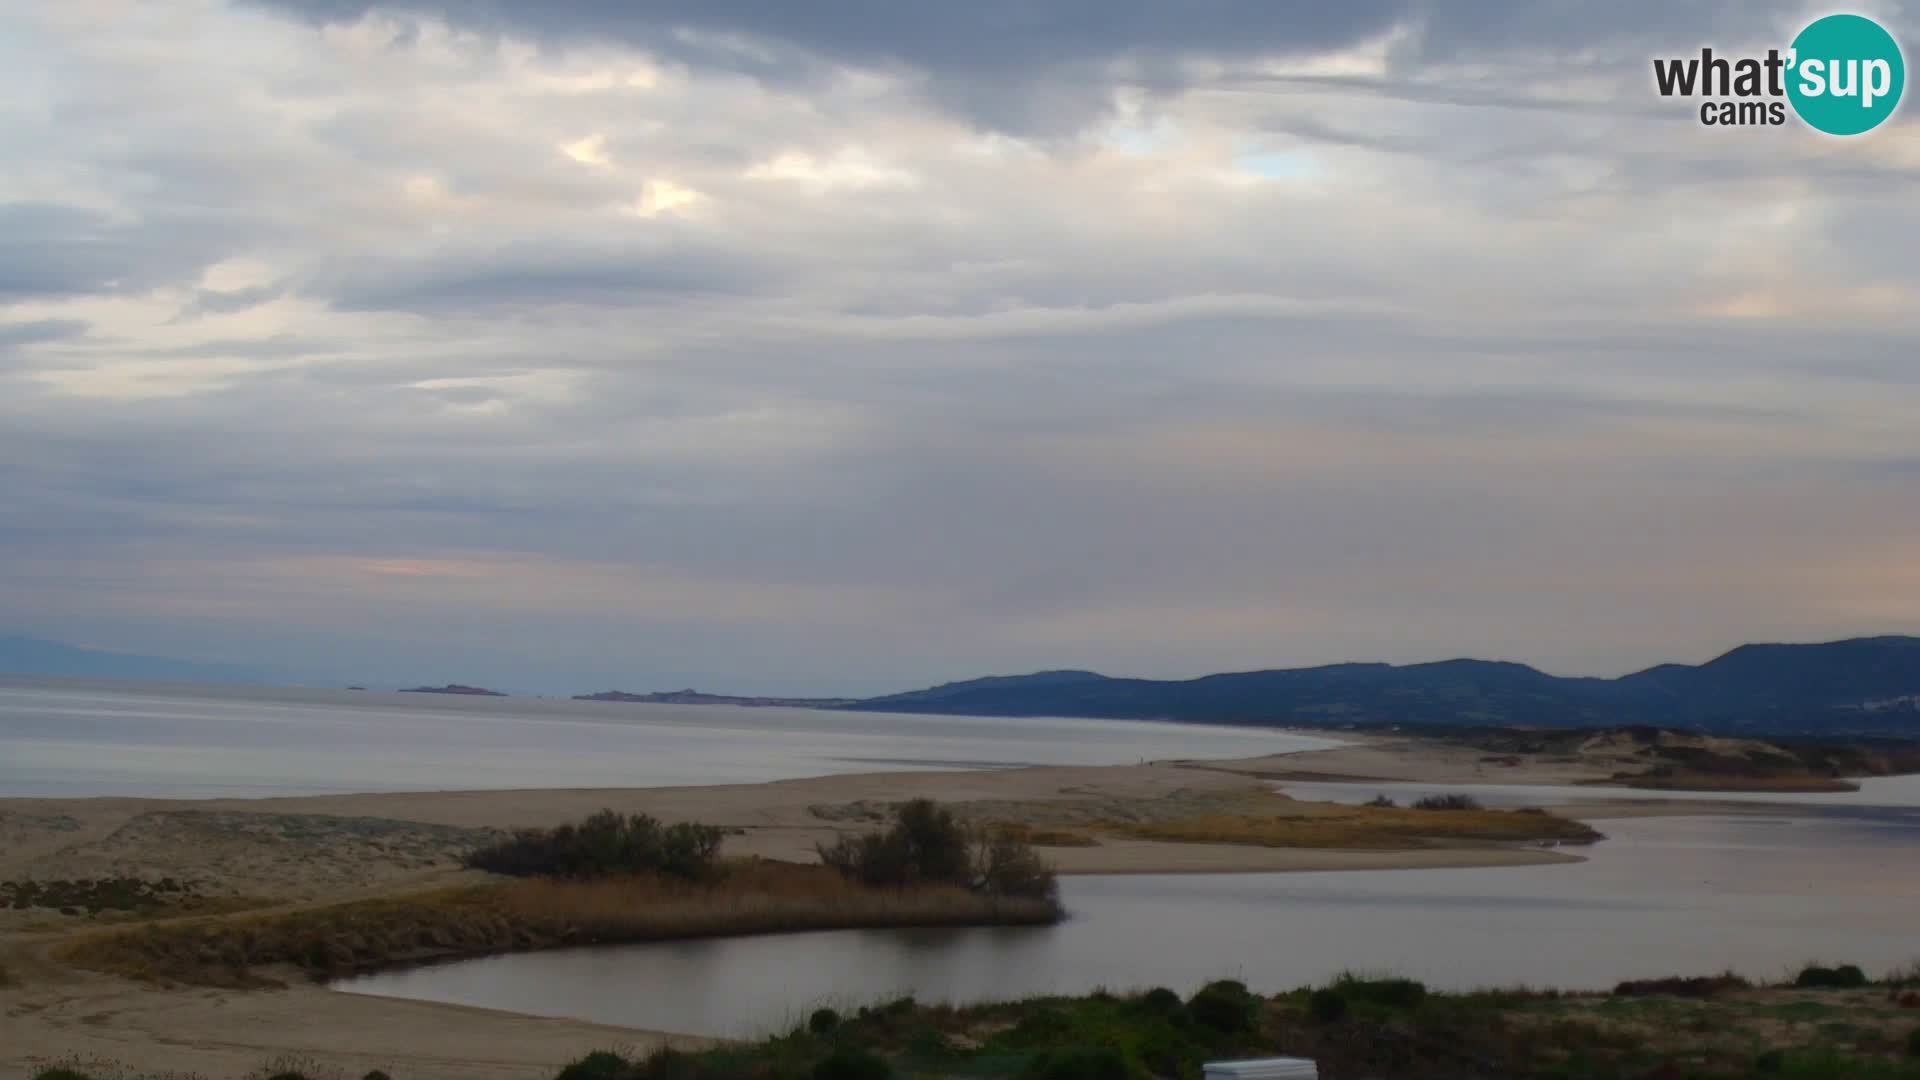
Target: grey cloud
{"type": "Point", "coordinates": [49, 251]}
{"type": "Point", "coordinates": [458, 280]}
{"type": "Point", "coordinates": [1007, 63]}
{"type": "Point", "coordinates": [16, 334]}
{"type": "Point", "coordinates": [1050, 68]}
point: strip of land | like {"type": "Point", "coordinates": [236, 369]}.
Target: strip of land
{"type": "Point", "coordinates": [208, 862]}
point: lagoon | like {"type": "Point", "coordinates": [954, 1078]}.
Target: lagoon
{"type": "Point", "coordinates": [1758, 893]}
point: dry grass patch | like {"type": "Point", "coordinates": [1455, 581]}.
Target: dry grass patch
{"type": "Point", "coordinates": [1330, 825]}
{"type": "Point", "coordinates": [1040, 837]}
{"type": "Point", "coordinates": [342, 939]}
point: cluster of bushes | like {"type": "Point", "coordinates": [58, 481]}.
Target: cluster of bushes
{"type": "Point", "coordinates": [927, 845]}
{"type": "Point", "coordinates": [608, 844]}
{"type": "Point", "coordinates": [1447, 802]}
{"type": "Point", "coordinates": [1693, 986]}
{"type": "Point", "coordinates": [1844, 977]}
{"type": "Point", "coordinates": [94, 895]}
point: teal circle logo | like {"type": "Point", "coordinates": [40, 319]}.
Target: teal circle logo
{"type": "Point", "coordinates": [1846, 74]}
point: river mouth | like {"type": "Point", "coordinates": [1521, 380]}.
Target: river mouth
{"type": "Point", "coordinates": [1757, 894]}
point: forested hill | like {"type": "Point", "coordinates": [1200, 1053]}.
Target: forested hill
{"type": "Point", "coordinates": [1859, 686]}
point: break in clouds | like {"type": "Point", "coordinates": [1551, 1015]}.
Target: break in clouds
{"type": "Point", "coordinates": [847, 347]}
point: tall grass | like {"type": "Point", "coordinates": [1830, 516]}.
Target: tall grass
{"type": "Point", "coordinates": [1324, 825]}
{"type": "Point", "coordinates": [341, 939]}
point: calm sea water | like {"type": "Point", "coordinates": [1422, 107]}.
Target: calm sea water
{"type": "Point", "coordinates": [1693, 895]}
{"type": "Point", "coordinates": [82, 738]}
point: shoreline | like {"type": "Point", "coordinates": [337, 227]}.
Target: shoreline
{"type": "Point", "coordinates": [396, 842]}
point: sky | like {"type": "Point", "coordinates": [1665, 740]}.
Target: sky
{"type": "Point", "coordinates": [854, 346]}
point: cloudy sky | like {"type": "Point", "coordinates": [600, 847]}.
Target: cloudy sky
{"type": "Point", "coordinates": [851, 346]}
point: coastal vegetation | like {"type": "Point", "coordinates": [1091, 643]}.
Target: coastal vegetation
{"type": "Point", "coordinates": [610, 879]}
{"type": "Point", "coordinates": [606, 844]}
{"type": "Point", "coordinates": [1286, 823]}
{"type": "Point", "coordinates": [95, 895]}
{"type": "Point", "coordinates": [1711, 1028]}
{"type": "Point", "coordinates": [928, 845]}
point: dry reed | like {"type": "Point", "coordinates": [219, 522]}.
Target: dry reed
{"type": "Point", "coordinates": [341, 939]}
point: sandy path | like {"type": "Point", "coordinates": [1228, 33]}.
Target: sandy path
{"type": "Point", "coordinates": [226, 1033]}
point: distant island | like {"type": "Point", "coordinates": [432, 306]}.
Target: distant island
{"type": "Point", "coordinates": [454, 688]}
{"type": "Point", "coordinates": [695, 697]}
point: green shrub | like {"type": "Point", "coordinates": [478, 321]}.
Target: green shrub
{"type": "Point", "coordinates": [1041, 1026]}
{"type": "Point", "coordinates": [599, 1065]}
{"type": "Point", "coordinates": [1913, 1043]}
{"type": "Point", "coordinates": [1386, 993]}
{"type": "Point", "coordinates": [1224, 1006]}
{"type": "Point", "coordinates": [608, 844]}
{"type": "Point", "coordinates": [823, 1021]}
{"type": "Point", "coordinates": [1161, 1001]}
{"type": "Point", "coordinates": [850, 1063]}
{"type": "Point", "coordinates": [376, 1074]}
{"type": "Point", "coordinates": [928, 1042]}
{"type": "Point", "coordinates": [1078, 1063]}
{"type": "Point", "coordinates": [927, 845]}
{"type": "Point", "coordinates": [1005, 865]}
{"type": "Point", "coordinates": [1844, 977]}
{"type": "Point", "coordinates": [1770, 1061]}
{"type": "Point", "coordinates": [60, 1072]}
{"type": "Point", "coordinates": [1382, 802]}
{"type": "Point", "coordinates": [1327, 1005]}
{"type": "Point", "coordinates": [1692, 986]}
{"type": "Point", "coordinates": [666, 1063]}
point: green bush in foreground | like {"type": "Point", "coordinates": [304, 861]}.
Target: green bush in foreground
{"type": "Point", "coordinates": [1327, 1005]}
{"type": "Point", "coordinates": [851, 1063]}
{"type": "Point", "coordinates": [823, 1021]}
{"type": "Point", "coordinates": [1078, 1063]}
{"type": "Point", "coordinates": [1385, 993]}
{"type": "Point", "coordinates": [1913, 1043]}
{"type": "Point", "coordinates": [1844, 977]}
{"type": "Point", "coordinates": [599, 1065]}
{"type": "Point", "coordinates": [1224, 1006]}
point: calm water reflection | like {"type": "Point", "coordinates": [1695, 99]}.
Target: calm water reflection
{"type": "Point", "coordinates": [1691, 895]}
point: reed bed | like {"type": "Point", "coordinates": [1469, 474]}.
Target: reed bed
{"type": "Point", "coordinates": [1324, 825]}
{"type": "Point", "coordinates": [343, 939]}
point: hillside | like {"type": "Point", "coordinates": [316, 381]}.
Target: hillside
{"type": "Point", "coordinates": [1863, 686]}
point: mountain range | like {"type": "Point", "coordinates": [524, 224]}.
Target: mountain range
{"type": "Point", "coordinates": [1859, 686]}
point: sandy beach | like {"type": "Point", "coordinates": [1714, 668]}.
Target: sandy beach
{"type": "Point", "coordinates": [281, 852]}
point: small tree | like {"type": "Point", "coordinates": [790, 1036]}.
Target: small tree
{"type": "Point", "coordinates": [1005, 865]}
{"type": "Point", "coordinates": [927, 845]}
